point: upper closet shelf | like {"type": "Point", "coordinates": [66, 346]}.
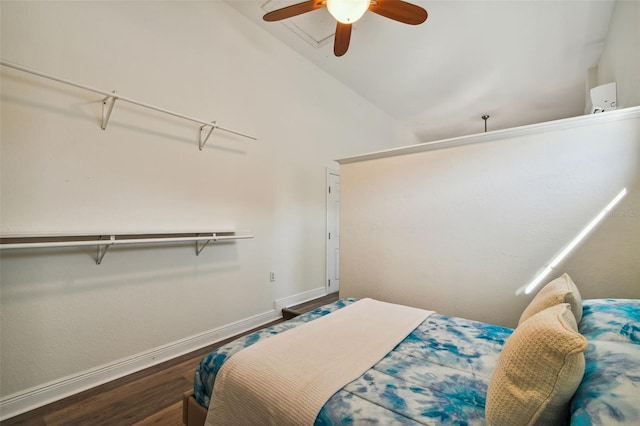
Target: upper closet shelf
{"type": "Point", "coordinates": [206, 128]}
{"type": "Point", "coordinates": [104, 241]}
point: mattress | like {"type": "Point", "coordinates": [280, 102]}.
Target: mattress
{"type": "Point", "coordinates": [439, 373]}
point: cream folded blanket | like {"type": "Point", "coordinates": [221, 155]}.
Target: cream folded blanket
{"type": "Point", "coordinates": [287, 378]}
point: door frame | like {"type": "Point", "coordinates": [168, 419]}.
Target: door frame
{"type": "Point", "coordinates": [335, 172]}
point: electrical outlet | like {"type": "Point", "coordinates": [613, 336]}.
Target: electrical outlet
{"type": "Point", "coordinates": [272, 276]}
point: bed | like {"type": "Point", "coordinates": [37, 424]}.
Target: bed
{"type": "Point", "coordinates": [455, 371]}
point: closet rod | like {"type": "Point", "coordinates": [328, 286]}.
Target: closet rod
{"type": "Point", "coordinates": [115, 96]}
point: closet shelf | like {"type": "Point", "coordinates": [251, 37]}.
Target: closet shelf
{"type": "Point", "coordinates": [106, 240]}
{"type": "Point", "coordinates": [206, 128]}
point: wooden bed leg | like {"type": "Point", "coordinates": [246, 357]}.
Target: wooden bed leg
{"type": "Point", "coordinates": [193, 414]}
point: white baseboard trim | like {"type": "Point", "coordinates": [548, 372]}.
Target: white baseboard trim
{"type": "Point", "coordinates": [299, 298]}
{"type": "Point", "coordinates": [38, 396]}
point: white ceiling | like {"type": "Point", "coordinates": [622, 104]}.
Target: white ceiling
{"type": "Point", "coordinates": [520, 62]}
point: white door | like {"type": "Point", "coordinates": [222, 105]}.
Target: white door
{"type": "Point", "coordinates": [333, 231]}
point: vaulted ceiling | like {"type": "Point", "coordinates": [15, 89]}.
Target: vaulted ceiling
{"type": "Point", "coordinates": [520, 62]}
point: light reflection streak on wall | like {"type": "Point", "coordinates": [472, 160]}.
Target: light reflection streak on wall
{"type": "Point", "coordinates": [585, 231]}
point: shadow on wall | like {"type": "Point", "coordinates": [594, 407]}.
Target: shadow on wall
{"type": "Point", "coordinates": [63, 272]}
{"type": "Point", "coordinates": [91, 111]}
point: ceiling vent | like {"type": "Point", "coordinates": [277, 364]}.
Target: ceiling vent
{"type": "Point", "coordinates": [315, 28]}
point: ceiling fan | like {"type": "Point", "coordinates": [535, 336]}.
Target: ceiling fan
{"type": "Point", "coordinates": [346, 12]}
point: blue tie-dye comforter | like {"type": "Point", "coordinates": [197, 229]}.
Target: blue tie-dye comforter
{"type": "Point", "coordinates": [438, 374]}
{"type": "Point", "coordinates": [609, 393]}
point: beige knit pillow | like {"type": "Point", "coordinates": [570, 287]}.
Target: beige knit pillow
{"type": "Point", "coordinates": [560, 290]}
{"type": "Point", "coordinates": [539, 370]}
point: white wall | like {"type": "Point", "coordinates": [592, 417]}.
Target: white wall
{"type": "Point", "coordinates": [620, 60]}
{"type": "Point", "coordinates": [460, 230]}
{"type": "Point", "coordinates": [61, 314]}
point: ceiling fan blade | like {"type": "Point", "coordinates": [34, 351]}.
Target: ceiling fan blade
{"type": "Point", "coordinates": [293, 10]}
{"type": "Point", "coordinates": [342, 38]}
{"type": "Point", "coordinates": [400, 11]}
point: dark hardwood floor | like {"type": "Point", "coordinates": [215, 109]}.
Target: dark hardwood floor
{"type": "Point", "coordinates": [294, 311]}
{"type": "Point", "coordinates": [148, 397]}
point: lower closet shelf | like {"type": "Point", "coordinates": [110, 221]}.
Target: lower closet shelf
{"type": "Point", "coordinates": [105, 240]}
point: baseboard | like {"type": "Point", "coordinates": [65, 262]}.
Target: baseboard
{"type": "Point", "coordinates": [299, 298]}
{"type": "Point", "coordinates": [21, 402]}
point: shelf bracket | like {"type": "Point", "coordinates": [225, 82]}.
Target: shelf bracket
{"type": "Point", "coordinates": [102, 250]}
{"type": "Point", "coordinates": [107, 107]}
{"type": "Point", "coordinates": [203, 142]}
{"type": "Point", "coordinates": [201, 246]}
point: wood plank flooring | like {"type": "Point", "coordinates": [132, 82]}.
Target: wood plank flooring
{"type": "Point", "coordinates": [294, 311]}
{"type": "Point", "coordinates": [149, 397]}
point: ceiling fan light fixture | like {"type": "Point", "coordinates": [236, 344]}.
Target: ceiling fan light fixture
{"type": "Point", "coordinates": [347, 11]}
